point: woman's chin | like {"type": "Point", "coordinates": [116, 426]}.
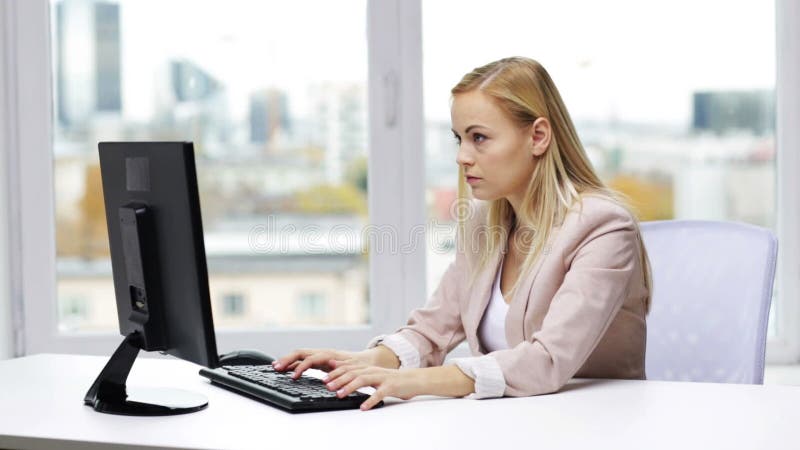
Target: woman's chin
{"type": "Point", "coordinates": [480, 194]}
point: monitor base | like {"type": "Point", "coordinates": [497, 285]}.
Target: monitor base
{"type": "Point", "coordinates": [153, 402]}
{"type": "Point", "coordinates": [110, 395]}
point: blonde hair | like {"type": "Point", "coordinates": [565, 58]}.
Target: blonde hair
{"type": "Point", "coordinates": [563, 174]}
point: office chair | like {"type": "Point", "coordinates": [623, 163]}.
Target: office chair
{"type": "Point", "coordinates": [712, 289]}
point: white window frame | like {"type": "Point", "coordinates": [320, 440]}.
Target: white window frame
{"type": "Point", "coordinates": [785, 347]}
{"type": "Point", "coordinates": [6, 138]}
{"type": "Point", "coordinates": [395, 197]}
{"type": "Point", "coordinates": [397, 281]}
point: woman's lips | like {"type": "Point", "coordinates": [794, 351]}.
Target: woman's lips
{"type": "Point", "coordinates": [473, 180]}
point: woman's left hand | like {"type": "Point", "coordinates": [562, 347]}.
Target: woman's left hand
{"type": "Point", "coordinates": [346, 377]}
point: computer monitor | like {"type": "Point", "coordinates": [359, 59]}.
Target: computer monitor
{"type": "Point", "coordinates": [158, 260]}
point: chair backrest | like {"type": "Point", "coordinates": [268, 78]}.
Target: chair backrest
{"type": "Point", "coordinates": [712, 290]}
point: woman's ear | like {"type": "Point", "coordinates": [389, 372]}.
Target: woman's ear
{"type": "Point", "coordinates": [541, 133]}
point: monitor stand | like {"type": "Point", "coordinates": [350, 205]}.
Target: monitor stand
{"type": "Point", "coordinates": [109, 394]}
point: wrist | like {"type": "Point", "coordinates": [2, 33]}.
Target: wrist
{"type": "Point", "coordinates": [446, 381]}
{"type": "Point", "coordinates": [387, 358]}
{"type": "Point", "coordinates": [382, 356]}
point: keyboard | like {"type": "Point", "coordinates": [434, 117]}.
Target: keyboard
{"type": "Point", "coordinates": [264, 383]}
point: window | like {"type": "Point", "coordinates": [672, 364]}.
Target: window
{"type": "Point", "coordinates": [280, 145]}
{"type": "Point", "coordinates": [75, 313]}
{"type": "Point", "coordinates": [233, 305]}
{"type": "Point", "coordinates": [681, 118]}
{"type": "Point", "coordinates": [282, 154]}
{"type": "Point", "coordinates": [665, 100]}
{"type": "Point", "coordinates": [311, 306]}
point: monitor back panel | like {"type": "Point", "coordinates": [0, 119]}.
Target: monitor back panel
{"type": "Point", "coordinates": [162, 176]}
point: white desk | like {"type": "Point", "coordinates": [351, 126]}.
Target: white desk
{"type": "Point", "coordinates": [41, 406]}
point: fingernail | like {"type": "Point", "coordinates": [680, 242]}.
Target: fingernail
{"type": "Point", "coordinates": [325, 379]}
{"type": "Point", "coordinates": [340, 392]}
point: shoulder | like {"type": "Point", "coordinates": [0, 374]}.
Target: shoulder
{"type": "Point", "coordinates": [597, 210]}
{"type": "Point", "coordinates": [588, 212]}
{"type": "Point", "coordinates": [599, 219]}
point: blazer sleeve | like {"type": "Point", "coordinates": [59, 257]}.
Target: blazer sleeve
{"type": "Point", "coordinates": [593, 290]}
{"type": "Point", "coordinates": [433, 330]}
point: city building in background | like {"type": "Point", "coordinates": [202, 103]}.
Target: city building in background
{"type": "Point", "coordinates": [264, 155]}
{"type": "Point", "coordinates": [88, 69]}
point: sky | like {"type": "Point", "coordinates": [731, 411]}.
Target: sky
{"type": "Point", "coordinates": [637, 61]}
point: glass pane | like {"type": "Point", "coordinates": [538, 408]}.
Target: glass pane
{"type": "Point", "coordinates": [673, 101]}
{"type": "Point", "coordinates": [278, 121]}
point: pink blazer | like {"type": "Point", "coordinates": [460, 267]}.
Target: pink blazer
{"type": "Point", "coordinates": [580, 311]}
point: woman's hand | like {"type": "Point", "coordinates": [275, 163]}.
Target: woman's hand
{"type": "Point", "coordinates": [347, 376]}
{"type": "Point", "coordinates": [318, 358]}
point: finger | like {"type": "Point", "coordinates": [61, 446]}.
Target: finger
{"type": "Point", "coordinates": [281, 363]}
{"type": "Point", "coordinates": [312, 360]}
{"type": "Point", "coordinates": [343, 380]}
{"type": "Point", "coordinates": [333, 374]}
{"type": "Point", "coordinates": [338, 369]}
{"type": "Point", "coordinates": [358, 381]}
{"type": "Point", "coordinates": [343, 374]}
{"type": "Point", "coordinates": [347, 361]}
{"type": "Point", "coordinates": [343, 366]}
{"type": "Point", "coordinates": [300, 368]}
{"type": "Point", "coordinates": [373, 400]}
{"type": "Point", "coordinates": [335, 380]}
{"type": "Point", "coordinates": [342, 362]}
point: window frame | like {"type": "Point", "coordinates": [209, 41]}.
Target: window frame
{"type": "Point", "coordinates": [8, 272]}
{"type": "Point", "coordinates": [396, 281]}
{"type": "Point", "coordinates": [784, 348]}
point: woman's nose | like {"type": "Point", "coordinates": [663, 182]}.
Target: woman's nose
{"type": "Point", "coordinates": [462, 157]}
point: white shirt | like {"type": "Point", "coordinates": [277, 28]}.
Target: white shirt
{"type": "Point", "coordinates": [492, 330]}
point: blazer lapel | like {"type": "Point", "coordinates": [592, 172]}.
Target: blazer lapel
{"type": "Point", "coordinates": [515, 318]}
{"type": "Point", "coordinates": [517, 327]}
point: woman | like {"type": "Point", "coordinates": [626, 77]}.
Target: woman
{"type": "Point", "coordinates": [550, 279]}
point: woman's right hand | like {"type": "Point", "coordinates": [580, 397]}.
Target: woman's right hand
{"type": "Point", "coordinates": [317, 358]}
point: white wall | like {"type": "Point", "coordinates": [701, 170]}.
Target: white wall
{"type": "Point", "coordinates": [5, 290]}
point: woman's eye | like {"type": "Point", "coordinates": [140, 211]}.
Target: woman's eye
{"type": "Point", "coordinates": [478, 137]}
{"type": "Point", "coordinates": [457, 139]}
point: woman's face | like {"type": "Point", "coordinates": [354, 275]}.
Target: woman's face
{"type": "Point", "coordinates": [498, 156]}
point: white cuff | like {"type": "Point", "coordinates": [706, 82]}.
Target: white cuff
{"type": "Point", "coordinates": [486, 371]}
{"type": "Point", "coordinates": [405, 351]}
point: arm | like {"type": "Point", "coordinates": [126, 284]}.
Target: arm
{"type": "Point", "coordinates": [430, 334]}
{"type": "Point", "coordinates": [435, 329]}
{"type": "Point", "coordinates": [444, 381]}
